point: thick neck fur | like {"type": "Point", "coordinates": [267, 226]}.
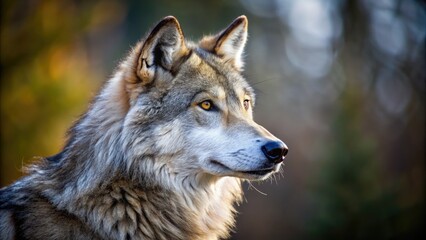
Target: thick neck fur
{"type": "Point", "coordinates": [95, 178]}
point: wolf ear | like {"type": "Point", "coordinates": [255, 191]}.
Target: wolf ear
{"type": "Point", "coordinates": [229, 44]}
{"type": "Point", "coordinates": [163, 48]}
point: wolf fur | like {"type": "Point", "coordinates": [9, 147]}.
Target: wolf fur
{"type": "Point", "coordinates": [159, 154]}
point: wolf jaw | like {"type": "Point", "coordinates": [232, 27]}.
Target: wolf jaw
{"type": "Point", "coordinates": [145, 161]}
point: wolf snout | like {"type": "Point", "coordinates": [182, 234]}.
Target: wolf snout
{"type": "Point", "coordinates": [275, 151]}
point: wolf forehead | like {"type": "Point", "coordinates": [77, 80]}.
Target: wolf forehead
{"type": "Point", "coordinates": [203, 73]}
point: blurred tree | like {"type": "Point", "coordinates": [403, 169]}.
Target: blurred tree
{"type": "Point", "coordinates": [357, 193]}
{"type": "Point", "coordinates": [351, 202]}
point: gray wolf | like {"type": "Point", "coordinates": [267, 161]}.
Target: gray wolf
{"type": "Point", "coordinates": [160, 152]}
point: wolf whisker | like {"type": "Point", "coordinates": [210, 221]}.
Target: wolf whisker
{"type": "Point", "coordinates": [257, 190]}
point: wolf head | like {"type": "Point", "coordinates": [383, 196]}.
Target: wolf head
{"type": "Point", "coordinates": [183, 108]}
{"type": "Point", "coordinates": [161, 150]}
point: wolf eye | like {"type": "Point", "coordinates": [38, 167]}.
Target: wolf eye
{"type": "Point", "coordinates": [246, 104]}
{"type": "Point", "coordinates": [206, 105]}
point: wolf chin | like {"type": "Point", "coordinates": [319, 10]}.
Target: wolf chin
{"type": "Point", "coordinates": [159, 154]}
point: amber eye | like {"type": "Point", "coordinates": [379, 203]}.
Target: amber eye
{"type": "Point", "coordinates": [246, 104]}
{"type": "Point", "coordinates": [206, 105]}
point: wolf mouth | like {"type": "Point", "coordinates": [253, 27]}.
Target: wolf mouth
{"type": "Point", "coordinates": [259, 172]}
{"type": "Point", "coordinates": [263, 171]}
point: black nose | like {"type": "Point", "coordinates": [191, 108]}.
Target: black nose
{"type": "Point", "coordinates": [275, 151]}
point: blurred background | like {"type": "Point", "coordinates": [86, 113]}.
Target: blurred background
{"type": "Point", "coordinates": [341, 82]}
